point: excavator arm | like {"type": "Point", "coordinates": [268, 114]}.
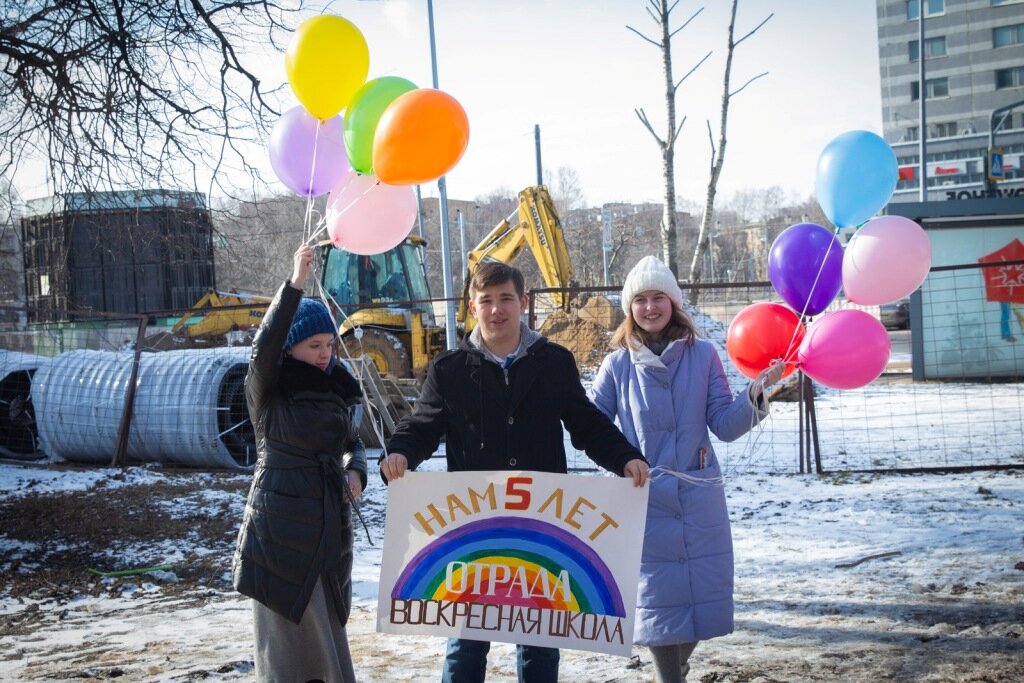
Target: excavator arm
{"type": "Point", "coordinates": [535, 224]}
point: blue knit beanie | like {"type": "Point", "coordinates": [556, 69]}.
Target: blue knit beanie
{"type": "Point", "coordinates": [311, 318]}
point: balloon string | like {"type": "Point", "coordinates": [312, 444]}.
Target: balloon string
{"type": "Point", "coordinates": [309, 187]}
{"type": "Point", "coordinates": [320, 227]}
{"type": "Point", "coordinates": [690, 479]}
{"type": "Point", "coordinates": [342, 210]}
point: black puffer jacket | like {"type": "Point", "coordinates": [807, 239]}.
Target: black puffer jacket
{"type": "Point", "coordinates": [297, 525]}
{"type": "Point", "coordinates": [495, 419]}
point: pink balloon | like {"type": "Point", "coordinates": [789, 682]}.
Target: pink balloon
{"type": "Point", "coordinates": [308, 155]}
{"type": "Point", "coordinates": [886, 260]}
{"type": "Point", "coordinates": [844, 349]}
{"type": "Point", "coordinates": [365, 216]}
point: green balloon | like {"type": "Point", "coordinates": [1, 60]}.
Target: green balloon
{"type": "Point", "coordinates": [363, 113]}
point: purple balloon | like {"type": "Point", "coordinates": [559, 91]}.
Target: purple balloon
{"type": "Point", "coordinates": [294, 142]}
{"type": "Point", "coordinates": [794, 261]}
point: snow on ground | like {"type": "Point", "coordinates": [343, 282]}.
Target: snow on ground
{"type": "Point", "coordinates": [943, 601]}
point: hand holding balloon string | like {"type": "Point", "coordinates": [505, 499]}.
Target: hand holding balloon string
{"type": "Point", "coordinates": [767, 377]}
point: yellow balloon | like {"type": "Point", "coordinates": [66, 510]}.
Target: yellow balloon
{"type": "Point", "coordinates": [327, 61]}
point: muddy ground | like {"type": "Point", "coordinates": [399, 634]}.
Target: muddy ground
{"type": "Point", "coordinates": [62, 622]}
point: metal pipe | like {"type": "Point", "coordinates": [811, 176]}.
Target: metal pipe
{"type": "Point", "coordinates": [451, 336]}
{"type": "Point", "coordinates": [922, 95]}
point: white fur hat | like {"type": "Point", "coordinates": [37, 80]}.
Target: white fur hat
{"type": "Point", "coordinates": [650, 273]}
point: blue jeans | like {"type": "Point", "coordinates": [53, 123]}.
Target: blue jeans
{"type": "Point", "coordinates": [466, 662]}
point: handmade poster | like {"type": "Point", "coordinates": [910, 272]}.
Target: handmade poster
{"type": "Point", "coordinates": [517, 557]}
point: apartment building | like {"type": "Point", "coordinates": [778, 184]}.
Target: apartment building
{"type": "Point", "coordinates": [973, 53]}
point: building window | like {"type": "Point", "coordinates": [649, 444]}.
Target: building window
{"type": "Point", "coordinates": [1005, 2]}
{"type": "Point", "coordinates": [933, 47]}
{"type": "Point", "coordinates": [1010, 78]}
{"type": "Point", "coordinates": [1008, 35]}
{"type": "Point", "coordinates": [911, 135]}
{"type": "Point", "coordinates": [931, 8]}
{"type": "Point", "coordinates": [944, 130]}
{"type": "Point", "coordinates": [934, 87]}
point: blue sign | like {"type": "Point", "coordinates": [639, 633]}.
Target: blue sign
{"type": "Point", "coordinates": [995, 164]}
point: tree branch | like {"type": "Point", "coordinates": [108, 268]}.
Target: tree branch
{"type": "Point", "coordinates": [740, 89]}
{"type": "Point", "coordinates": [687, 75]}
{"type": "Point", "coordinates": [754, 30]}
{"type": "Point", "coordinates": [640, 114]}
{"type": "Point", "coordinates": [649, 40]}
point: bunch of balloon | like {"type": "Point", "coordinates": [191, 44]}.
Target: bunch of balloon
{"type": "Point", "coordinates": [887, 259]}
{"type": "Point", "coordinates": [392, 136]}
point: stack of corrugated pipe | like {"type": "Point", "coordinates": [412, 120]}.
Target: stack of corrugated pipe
{"type": "Point", "coordinates": [189, 407]}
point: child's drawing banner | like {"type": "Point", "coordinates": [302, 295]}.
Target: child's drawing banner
{"type": "Point", "coordinates": [517, 557]}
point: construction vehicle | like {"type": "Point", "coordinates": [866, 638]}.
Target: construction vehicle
{"type": "Point", "coordinates": [388, 314]}
{"type": "Point", "coordinates": [222, 312]}
{"type": "Point", "coordinates": [216, 319]}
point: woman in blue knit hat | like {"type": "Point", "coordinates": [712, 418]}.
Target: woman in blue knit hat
{"type": "Point", "coordinates": [294, 552]}
{"type": "Point", "coordinates": [666, 388]}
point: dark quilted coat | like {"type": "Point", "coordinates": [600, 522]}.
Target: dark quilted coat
{"type": "Point", "coordinates": [297, 525]}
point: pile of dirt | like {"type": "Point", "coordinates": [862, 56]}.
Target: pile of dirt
{"type": "Point", "coordinates": [588, 341]}
{"type": "Point", "coordinates": [598, 310]}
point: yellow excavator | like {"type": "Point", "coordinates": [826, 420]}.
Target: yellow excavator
{"type": "Point", "coordinates": [388, 314]}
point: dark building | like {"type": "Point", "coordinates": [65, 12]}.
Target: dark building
{"type": "Point", "coordinates": [116, 252]}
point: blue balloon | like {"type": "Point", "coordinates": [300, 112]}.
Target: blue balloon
{"type": "Point", "coordinates": [805, 265]}
{"type": "Point", "coordinates": [857, 173]}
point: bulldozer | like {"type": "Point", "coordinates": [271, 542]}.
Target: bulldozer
{"type": "Point", "coordinates": [385, 300]}
{"type": "Point", "coordinates": [215, 319]}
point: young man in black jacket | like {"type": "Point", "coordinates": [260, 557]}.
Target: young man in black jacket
{"type": "Point", "coordinates": [500, 400]}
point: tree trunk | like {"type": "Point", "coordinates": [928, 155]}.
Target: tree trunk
{"type": "Point", "coordinates": [717, 161]}
{"type": "Point", "coordinates": [669, 241]}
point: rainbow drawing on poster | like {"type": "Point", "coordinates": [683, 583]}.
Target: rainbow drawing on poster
{"type": "Point", "coordinates": [512, 561]}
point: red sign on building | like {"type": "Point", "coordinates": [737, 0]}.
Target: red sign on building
{"type": "Point", "coordinates": [1005, 284]}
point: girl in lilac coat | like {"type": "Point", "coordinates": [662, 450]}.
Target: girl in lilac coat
{"type": "Point", "coordinates": [666, 388]}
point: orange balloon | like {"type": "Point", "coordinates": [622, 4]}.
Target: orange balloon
{"type": "Point", "coordinates": [761, 333]}
{"type": "Point", "coordinates": [420, 136]}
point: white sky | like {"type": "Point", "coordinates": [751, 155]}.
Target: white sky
{"type": "Point", "coordinates": [573, 68]}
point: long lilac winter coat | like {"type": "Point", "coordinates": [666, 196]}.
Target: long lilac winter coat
{"type": "Point", "coordinates": [665, 406]}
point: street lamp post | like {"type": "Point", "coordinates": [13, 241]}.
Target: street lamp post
{"type": "Point", "coordinates": [451, 338]}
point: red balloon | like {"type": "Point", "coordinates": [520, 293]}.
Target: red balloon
{"type": "Point", "coordinates": [761, 333]}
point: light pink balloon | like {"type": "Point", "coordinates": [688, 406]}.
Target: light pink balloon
{"type": "Point", "coordinates": [844, 349]}
{"type": "Point", "coordinates": [365, 216]}
{"type": "Point", "coordinates": [886, 260]}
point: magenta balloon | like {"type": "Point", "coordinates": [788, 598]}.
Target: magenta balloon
{"type": "Point", "coordinates": [295, 141]}
{"type": "Point", "coordinates": [886, 260]}
{"type": "Point", "coordinates": [844, 349]}
{"type": "Point", "coordinates": [365, 216]}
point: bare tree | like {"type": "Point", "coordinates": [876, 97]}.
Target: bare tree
{"type": "Point", "coordinates": [255, 241]}
{"type": "Point", "coordinates": [129, 93]}
{"type": "Point", "coordinates": [718, 153]}
{"type": "Point", "coordinates": [661, 11]}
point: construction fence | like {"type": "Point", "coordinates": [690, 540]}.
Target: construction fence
{"type": "Point", "coordinates": [951, 396]}
{"type": "Point", "coordinates": [109, 389]}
